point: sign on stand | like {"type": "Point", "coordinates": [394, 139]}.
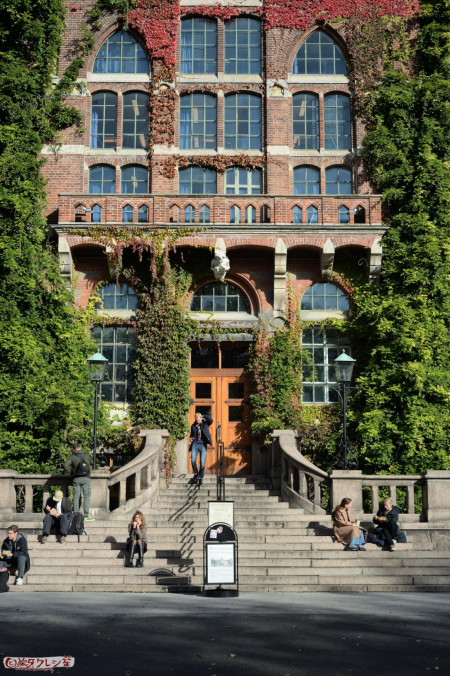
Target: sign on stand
{"type": "Point", "coordinates": [220, 559]}
{"type": "Point", "coordinates": [221, 511]}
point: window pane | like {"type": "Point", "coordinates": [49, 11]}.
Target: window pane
{"type": "Point", "coordinates": [204, 358]}
{"type": "Point", "coordinates": [220, 297]}
{"type": "Point", "coordinates": [243, 46]}
{"type": "Point", "coordinates": [203, 390]}
{"type": "Point", "coordinates": [119, 381]}
{"type": "Point", "coordinates": [322, 346]}
{"type": "Point", "coordinates": [121, 53]}
{"type": "Point", "coordinates": [319, 55]}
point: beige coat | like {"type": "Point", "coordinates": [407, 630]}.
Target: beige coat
{"type": "Point", "coordinates": [343, 529]}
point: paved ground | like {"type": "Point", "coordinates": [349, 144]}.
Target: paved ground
{"type": "Point", "coordinates": [253, 635]}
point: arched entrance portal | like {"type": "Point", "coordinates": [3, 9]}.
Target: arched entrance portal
{"type": "Point", "coordinates": [220, 388]}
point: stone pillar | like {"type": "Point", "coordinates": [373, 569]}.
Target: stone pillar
{"type": "Point", "coordinates": [436, 496]}
{"type": "Point", "coordinates": [99, 492]}
{"type": "Point", "coordinates": [327, 259]}
{"type": "Point", "coordinates": [376, 251]}
{"type": "Point", "coordinates": [347, 483]}
{"type": "Point", "coordinates": [65, 260]}
{"type": "Point", "coordinates": [279, 278]}
{"type": "Point", "coordinates": [7, 492]}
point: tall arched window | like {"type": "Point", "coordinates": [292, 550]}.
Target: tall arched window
{"type": "Point", "coordinates": [306, 181]}
{"type": "Point", "coordinates": [134, 179]}
{"type": "Point", "coordinates": [319, 54]}
{"type": "Point", "coordinates": [325, 296]}
{"type": "Point", "coordinates": [312, 214]}
{"type": "Point", "coordinates": [241, 181]}
{"type": "Point", "coordinates": [338, 181]}
{"type": "Point", "coordinates": [243, 122]}
{"type": "Point", "coordinates": [102, 179]}
{"type": "Point", "coordinates": [243, 46]}
{"type": "Point", "coordinates": [305, 121]}
{"type": "Point", "coordinates": [198, 46]}
{"type": "Point", "coordinates": [135, 120]}
{"type": "Point", "coordinates": [104, 120]}
{"type": "Point", "coordinates": [220, 297]}
{"type": "Point", "coordinates": [198, 121]}
{"type": "Point", "coordinates": [336, 110]}
{"type": "Point", "coordinates": [127, 213]}
{"type": "Point", "coordinates": [121, 53]}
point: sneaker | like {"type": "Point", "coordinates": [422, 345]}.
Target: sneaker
{"type": "Point", "coordinates": [63, 539]}
{"type": "Point", "coordinates": [194, 481]}
{"type": "Point", "coordinates": [19, 581]}
{"type": "Point", "coordinates": [200, 481]}
{"type": "Point", "coordinates": [44, 539]}
{"type": "Point", "coordinates": [392, 548]}
{"type": "Point", "coordinates": [88, 517]}
{"type": "Point", "coordinates": [361, 548]}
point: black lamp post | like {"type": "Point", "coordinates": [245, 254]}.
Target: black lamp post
{"type": "Point", "coordinates": [97, 368]}
{"type": "Point", "coordinates": [344, 368]}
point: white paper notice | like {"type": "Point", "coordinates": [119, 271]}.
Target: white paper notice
{"type": "Point", "coordinates": [220, 564]}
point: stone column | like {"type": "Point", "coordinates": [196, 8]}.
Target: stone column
{"type": "Point", "coordinates": [436, 496]}
{"type": "Point", "coordinates": [376, 251]}
{"type": "Point", "coordinates": [65, 260]}
{"type": "Point", "coordinates": [99, 492]}
{"type": "Point", "coordinates": [327, 259]}
{"type": "Point", "coordinates": [347, 483]}
{"type": "Point", "coordinates": [7, 492]}
{"type": "Point", "coordinates": [279, 278]}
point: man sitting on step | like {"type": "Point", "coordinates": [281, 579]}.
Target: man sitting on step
{"type": "Point", "coordinates": [15, 553]}
{"type": "Point", "coordinates": [57, 511]}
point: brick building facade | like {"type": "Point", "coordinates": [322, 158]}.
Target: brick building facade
{"type": "Point", "coordinates": [275, 108]}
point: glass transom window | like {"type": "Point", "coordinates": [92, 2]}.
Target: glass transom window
{"type": "Point", "coordinates": [198, 46]}
{"type": "Point", "coordinates": [243, 46]}
{"type": "Point", "coordinates": [117, 297]}
{"type": "Point", "coordinates": [118, 345]}
{"type": "Point", "coordinates": [220, 297]}
{"type": "Point", "coordinates": [323, 345]}
{"type": "Point", "coordinates": [241, 181]}
{"type": "Point", "coordinates": [325, 296]}
{"type": "Point", "coordinates": [319, 55]}
{"type": "Point", "coordinates": [121, 53]}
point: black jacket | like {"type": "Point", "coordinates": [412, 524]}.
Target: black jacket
{"type": "Point", "coordinates": [72, 463]}
{"type": "Point", "coordinates": [391, 517]}
{"type": "Point", "coordinates": [18, 548]}
{"type": "Point", "coordinates": [66, 505]}
{"type": "Point", "coordinates": [206, 435]}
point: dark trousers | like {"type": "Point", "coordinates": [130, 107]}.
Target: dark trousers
{"type": "Point", "coordinates": [61, 523]}
{"type": "Point", "coordinates": [19, 563]}
{"type": "Point", "coordinates": [388, 531]}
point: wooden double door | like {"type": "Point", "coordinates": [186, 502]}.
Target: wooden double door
{"type": "Point", "coordinates": [224, 396]}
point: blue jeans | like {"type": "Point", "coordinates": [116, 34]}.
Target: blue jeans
{"type": "Point", "coordinates": [198, 447]}
{"type": "Point", "coordinates": [357, 541]}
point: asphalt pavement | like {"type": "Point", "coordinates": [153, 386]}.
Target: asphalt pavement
{"type": "Point", "coordinates": [253, 635]}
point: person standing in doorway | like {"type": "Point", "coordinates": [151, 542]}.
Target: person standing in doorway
{"type": "Point", "coordinates": [200, 438]}
{"type": "Point", "coordinates": [78, 465]}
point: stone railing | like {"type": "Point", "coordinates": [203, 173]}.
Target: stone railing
{"type": "Point", "coordinates": [300, 482]}
{"type": "Point", "coordinates": [121, 492]}
{"type": "Point", "coordinates": [424, 497]}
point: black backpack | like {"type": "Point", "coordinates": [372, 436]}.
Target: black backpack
{"type": "Point", "coordinates": [75, 525]}
{"type": "Point", "coordinates": [83, 468]}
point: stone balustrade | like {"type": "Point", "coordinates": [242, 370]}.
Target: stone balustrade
{"type": "Point", "coordinates": [120, 492]}
{"type": "Point", "coordinates": [424, 497]}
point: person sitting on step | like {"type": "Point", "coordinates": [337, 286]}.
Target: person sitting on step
{"type": "Point", "coordinates": [346, 528]}
{"type": "Point", "coordinates": [15, 553]}
{"type": "Point", "coordinates": [57, 511]}
{"type": "Point", "coordinates": [386, 522]}
{"type": "Point", "coordinates": [137, 539]}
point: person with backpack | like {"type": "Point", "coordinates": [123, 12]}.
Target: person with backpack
{"type": "Point", "coordinates": [57, 512]}
{"type": "Point", "coordinates": [78, 465]}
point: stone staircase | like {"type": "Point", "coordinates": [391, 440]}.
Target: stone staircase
{"type": "Point", "coordinates": [280, 549]}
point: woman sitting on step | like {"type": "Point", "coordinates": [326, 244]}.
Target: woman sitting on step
{"type": "Point", "coordinates": [137, 539]}
{"type": "Point", "coordinates": [346, 529]}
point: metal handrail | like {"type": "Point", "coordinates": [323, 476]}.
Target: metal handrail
{"type": "Point", "coordinates": [220, 464]}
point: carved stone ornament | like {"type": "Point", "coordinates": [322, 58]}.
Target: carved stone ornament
{"type": "Point", "coordinates": [220, 264]}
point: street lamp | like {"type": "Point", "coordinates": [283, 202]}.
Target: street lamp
{"type": "Point", "coordinates": [97, 368]}
{"type": "Point", "coordinates": [344, 368]}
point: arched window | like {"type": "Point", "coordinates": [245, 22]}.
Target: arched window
{"type": "Point", "coordinates": [197, 181]}
{"type": "Point", "coordinates": [198, 121]}
{"type": "Point", "coordinates": [338, 181]}
{"type": "Point", "coordinates": [121, 53]}
{"type": "Point", "coordinates": [243, 46]}
{"type": "Point", "coordinates": [134, 179]}
{"type": "Point", "coordinates": [135, 120]}
{"type": "Point", "coordinates": [243, 122]}
{"type": "Point", "coordinates": [127, 213]}
{"type": "Point", "coordinates": [242, 181]}
{"type": "Point", "coordinates": [104, 120]}
{"type": "Point", "coordinates": [305, 121]}
{"type": "Point", "coordinates": [189, 214]}
{"type": "Point", "coordinates": [344, 215]}
{"type": "Point", "coordinates": [204, 214]}
{"type": "Point", "coordinates": [323, 345]}
{"type": "Point", "coordinates": [235, 214]}
{"type": "Point", "coordinates": [336, 110]}
{"type": "Point", "coordinates": [250, 214]}
{"type": "Point", "coordinates": [312, 214]}
{"type": "Point", "coordinates": [198, 46]}
{"type": "Point", "coordinates": [220, 297]}
{"type": "Point", "coordinates": [143, 214]}
{"type": "Point", "coordinates": [102, 179]}
{"type": "Point", "coordinates": [360, 214]}
{"type": "Point", "coordinates": [306, 181]}
{"type": "Point", "coordinates": [117, 297]}
{"type": "Point", "coordinates": [96, 214]}
{"type": "Point", "coordinates": [325, 296]}
{"type": "Point", "coordinates": [319, 54]}
{"type": "Point", "coordinates": [118, 345]}
{"type": "Point", "coordinates": [297, 214]}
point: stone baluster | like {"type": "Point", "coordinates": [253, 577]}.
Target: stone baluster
{"type": "Point", "coordinates": [375, 499]}
{"type": "Point", "coordinates": [410, 498]}
{"type": "Point", "coordinates": [393, 493]}
{"type": "Point", "coordinates": [28, 498]}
